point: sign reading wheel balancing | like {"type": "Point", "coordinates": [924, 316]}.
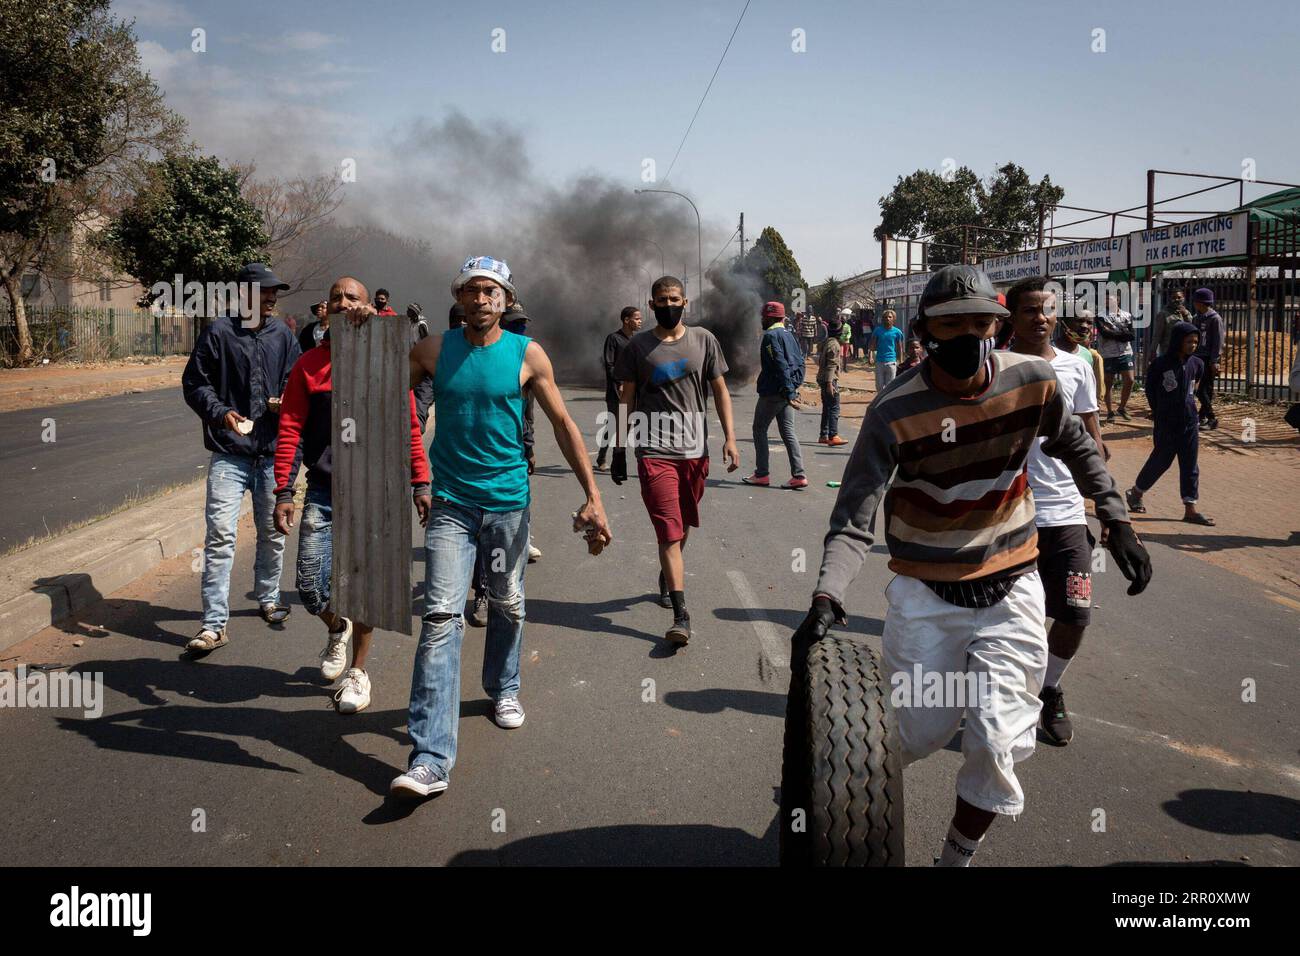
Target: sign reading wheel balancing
{"type": "Point", "coordinates": [1215, 237]}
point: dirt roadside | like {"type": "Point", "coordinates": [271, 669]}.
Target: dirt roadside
{"type": "Point", "coordinates": [59, 384]}
{"type": "Point", "coordinates": [1250, 476]}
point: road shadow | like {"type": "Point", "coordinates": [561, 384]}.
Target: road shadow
{"type": "Point", "coordinates": [715, 700]}
{"type": "Point", "coordinates": [1237, 812]}
{"type": "Point", "coordinates": [1204, 543]}
{"type": "Point", "coordinates": [201, 733]}
{"type": "Point", "coordinates": [789, 620]}
{"type": "Point", "coordinates": [144, 621]}
{"type": "Point", "coordinates": [596, 618]}
{"type": "Point", "coordinates": [143, 679]}
{"type": "Point", "coordinates": [634, 845]}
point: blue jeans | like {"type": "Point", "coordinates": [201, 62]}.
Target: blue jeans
{"type": "Point", "coordinates": [316, 550]}
{"type": "Point", "coordinates": [454, 536]}
{"type": "Point", "coordinates": [830, 412]}
{"type": "Point", "coordinates": [229, 477]}
{"type": "Point", "coordinates": [769, 407]}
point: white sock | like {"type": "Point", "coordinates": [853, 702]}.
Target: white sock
{"type": "Point", "coordinates": [957, 849]}
{"type": "Point", "coordinates": [1055, 669]}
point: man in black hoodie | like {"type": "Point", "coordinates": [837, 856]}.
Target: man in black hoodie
{"type": "Point", "coordinates": [233, 381]}
{"type": "Point", "coordinates": [1172, 381]}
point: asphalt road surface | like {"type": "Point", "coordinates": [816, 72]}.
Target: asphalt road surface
{"type": "Point", "coordinates": [633, 753]}
{"type": "Point", "coordinates": [105, 452]}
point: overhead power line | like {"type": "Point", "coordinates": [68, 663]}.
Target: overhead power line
{"type": "Point", "coordinates": [706, 92]}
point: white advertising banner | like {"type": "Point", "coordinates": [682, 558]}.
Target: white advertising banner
{"type": "Point", "coordinates": [1020, 265]}
{"type": "Point", "coordinates": [1215, 237]}
{"type": "Point", "coordinates": [1085, 258]}
{"type": "Point", "coordinates": [898, 287]}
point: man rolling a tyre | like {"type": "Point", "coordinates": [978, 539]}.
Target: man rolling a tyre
{"type": "Point", "coordinates": [959, 523]}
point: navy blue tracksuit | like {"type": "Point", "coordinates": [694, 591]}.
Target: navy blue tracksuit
{"type": "Point", "coordinates": [1171, 391]}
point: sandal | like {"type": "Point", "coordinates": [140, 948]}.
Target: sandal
{"type": "Point", "coordinates": [274, 613]}
{"type": "Point", "coordinates": [1199, 518]}
{"type": "Point", "coordinates": [1134, 502]}
{"type": "Point", "coordinates": [208, 640]}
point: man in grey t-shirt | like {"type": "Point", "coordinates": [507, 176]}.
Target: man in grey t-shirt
{"type": "Point", "coordinates": [666, 374]}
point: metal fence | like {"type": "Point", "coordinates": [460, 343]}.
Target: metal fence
{"type": "Point", "coordinates": [1255, 366]}
{"type": "Point", "coordinates": [97, 335]}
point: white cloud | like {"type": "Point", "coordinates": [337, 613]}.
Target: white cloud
{"type": "Point", "coordinates": [157, 60]}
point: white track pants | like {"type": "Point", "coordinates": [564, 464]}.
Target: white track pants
{"type": "Point", "coordinates": [1005, 647]}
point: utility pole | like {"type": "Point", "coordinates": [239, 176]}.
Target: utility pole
{"type": "Point", "coordinates": [742, 237]}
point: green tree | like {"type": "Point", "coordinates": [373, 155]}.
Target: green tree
{"type": "Point", "coordinates": [774, 264]}
{"type": "Point", "coordinates": [926, 203]}
{"type": "Point", "coordinates": [189, 220]}
{"type": "Point", "coordinates": [78, 120]}
{"type": "Point", "coordinates": [829, 298]}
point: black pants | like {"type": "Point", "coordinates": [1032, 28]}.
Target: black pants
{"type": "Point", "coordinates": [611, 430]}
{"type": "Point", "coordinates": [1185, 448]}
{"type": "Point", "coordinates": [1205, 395]}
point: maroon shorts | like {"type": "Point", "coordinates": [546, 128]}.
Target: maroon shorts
{"type": "Point", "coordinates": [671, 489]}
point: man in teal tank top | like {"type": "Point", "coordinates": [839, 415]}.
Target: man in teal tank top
{"type": "Point", "coordinates": [480, 504]}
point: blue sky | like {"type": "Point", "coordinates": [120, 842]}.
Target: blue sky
{"type": "Point", "coordinates": [806, 142]}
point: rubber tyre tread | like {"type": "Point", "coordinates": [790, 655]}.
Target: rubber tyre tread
{"type": "Point", "coordinates": [842, 761]}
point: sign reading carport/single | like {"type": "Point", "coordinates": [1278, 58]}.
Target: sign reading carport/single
{"type": "Point", "coordinates": [371, 486]}
{"type": "Point", "coordinates": [1215, 237]}
{"type": "Point", "coordinates": [1085, 258]}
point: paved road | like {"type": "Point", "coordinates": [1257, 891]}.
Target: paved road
{"type": "Point", "coordinates": [1183, 769]}
{"type": "Point", "coordinates": [106, 451]}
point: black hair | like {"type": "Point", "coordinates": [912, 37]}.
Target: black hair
{"type": "Point", "coordinates": [1023, 287]}
{"type": "Point", "coordinates": [667, 282]}
{"type": "Point", "coordinates": [627, 313]}
{"type": "Point", "coordinates": [379, 292]}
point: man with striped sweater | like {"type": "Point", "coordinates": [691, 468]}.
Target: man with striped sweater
{"type": "Point", "coordinates": [959, 523]}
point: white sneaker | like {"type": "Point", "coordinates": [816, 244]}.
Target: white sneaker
{"type": "Point", "coordinates": [508, 713]}
{"type": "Point", "coordinates": [354, 696]}
{"type": "Point", "coordinates": [419, 781]}
{"type": "Point", "coordinates": [334, 659]}
{"type": "Point", "coordinates": [533, 553]}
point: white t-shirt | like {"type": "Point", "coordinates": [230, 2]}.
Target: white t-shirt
{"type": "Point", "coordinates": [1056, 497]}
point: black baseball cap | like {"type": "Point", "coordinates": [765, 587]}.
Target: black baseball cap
{"type": "Point", "coordinates": [960, 290]}
{"type": "Point", "coordinates": [261, 273]}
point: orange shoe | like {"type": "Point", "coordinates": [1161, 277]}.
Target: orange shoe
{"type": "Point", "coordinates": [823, 441]}
{"type": "Point", "coordinates": [835, 441]}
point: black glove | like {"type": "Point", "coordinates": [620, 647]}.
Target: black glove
{"type": "Point", "coordinates": [823, 613]}
{"type": "Point", "coordinates": [618, 466]}
{"type": "Point", "coordinates": [1133, 560]}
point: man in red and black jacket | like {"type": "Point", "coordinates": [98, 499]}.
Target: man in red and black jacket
{"type": "Point", "coordinates": [305, 418]}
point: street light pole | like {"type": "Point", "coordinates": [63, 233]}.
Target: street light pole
{"type": "Point", "coordinates": [699, 233]}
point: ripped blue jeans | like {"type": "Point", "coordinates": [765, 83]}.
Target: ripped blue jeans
{"type": "Point", "coordinates": [454, 537]}
{"type": "Point", "coordinates": [315, 550]}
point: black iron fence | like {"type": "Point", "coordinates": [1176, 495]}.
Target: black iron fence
{"type": "Point", "coordinates": [1255, 363]}
{"type": "Point", "coordinates": [98, 335]}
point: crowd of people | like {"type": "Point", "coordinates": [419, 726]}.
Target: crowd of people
{"type": "Point", "coordinates": [979, 457]}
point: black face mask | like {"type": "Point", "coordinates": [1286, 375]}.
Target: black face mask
{"type": "Point", "coordinates": [668, 316]}
{"type": "Point", "coordinates": [960, 356]}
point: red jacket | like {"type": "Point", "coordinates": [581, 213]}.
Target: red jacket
{"type": "Point", "coordinates": [305, 416]}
